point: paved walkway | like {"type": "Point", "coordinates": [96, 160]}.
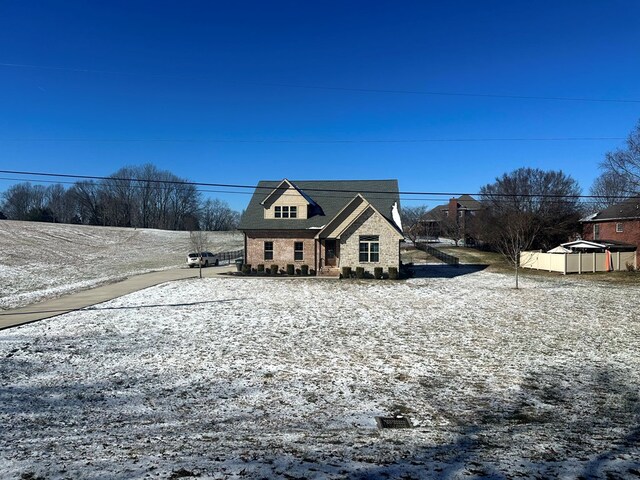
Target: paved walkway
{"type": "Point", "coordinates": [86, 298]}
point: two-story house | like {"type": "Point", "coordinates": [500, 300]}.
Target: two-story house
{"type": "Point", "coordinates": [324, 224]}
{"type": "Point", "coordinates": [619, 224]}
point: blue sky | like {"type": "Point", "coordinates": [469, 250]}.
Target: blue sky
{"type": "Point", "coordinates": [235, 92]}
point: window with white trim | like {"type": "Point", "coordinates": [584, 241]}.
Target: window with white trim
{"type": "Point", "coordinates": [268, 250]}
{"type": "Point", "coordinates": [596, 231]}
{"type": "Point", "coordinates": [619, 227]}
{"type": "Point", "coordinates": [298, 251]}
{"type": "Point", "coordinates": [369, 248]}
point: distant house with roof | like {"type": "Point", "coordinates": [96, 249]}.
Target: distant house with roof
{"type": "Point", "coordinates": [324, 224]}
{"type": "Point", "coordinates": [453, 218]}
{"type": "Point", "coordinates": [618, 224]}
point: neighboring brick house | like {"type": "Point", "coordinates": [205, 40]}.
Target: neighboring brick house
{"type": "Point", "coordinates": [324, 224]}
{"type": "Point", "coordinates": [619, 223]}
{"type": "Point", "coordinates": [453, 219]}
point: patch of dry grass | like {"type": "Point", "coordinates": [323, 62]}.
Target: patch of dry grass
{"type": "Point", "coordinates": [411, 254]}
{"type": "Point", "coordinates": [497, 263]}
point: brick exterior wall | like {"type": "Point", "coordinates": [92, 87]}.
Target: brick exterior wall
{"type": "Point", "coordinates": [283, 247]}
{"type": "Point", "coordinates": [630, 233]}
{"type": "Point", "coordinates": [370, 223]}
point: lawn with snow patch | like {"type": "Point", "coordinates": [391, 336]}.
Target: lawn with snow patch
{"type": "Point", "coordinates": [44, 260]}
{"type": "Point", "coordinates": [282, 378]}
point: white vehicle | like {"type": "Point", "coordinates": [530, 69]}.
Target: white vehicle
{"type": "Point", "coordinates": [206, 259]}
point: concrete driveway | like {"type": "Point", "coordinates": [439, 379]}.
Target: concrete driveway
{"type": "Point", "coordinates": [87, 298]}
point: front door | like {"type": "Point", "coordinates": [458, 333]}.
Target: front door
{"type": "Point", "coordinates": [330, 253]}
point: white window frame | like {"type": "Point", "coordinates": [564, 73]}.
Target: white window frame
{"type": "Point", "coordinates": [371, 250]}
{"type": "Point", "coordinates": [619, 227]}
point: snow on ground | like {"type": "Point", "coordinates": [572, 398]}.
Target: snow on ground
{"type": "Point", "coordinates": [282, 378]}
{"type": "Point", "coordinates": [42, 260]}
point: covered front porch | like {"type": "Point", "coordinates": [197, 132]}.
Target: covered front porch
{"type": "Point", "coordinates": [328, 257]}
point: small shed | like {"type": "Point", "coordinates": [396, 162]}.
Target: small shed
{"type": "Point", "coordinates": [559, 249]}
{"type": "Point", "coordinates": [585, 246]}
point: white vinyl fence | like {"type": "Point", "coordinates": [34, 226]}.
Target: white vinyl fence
{"type": "Point", "coordinates": [578, 262]}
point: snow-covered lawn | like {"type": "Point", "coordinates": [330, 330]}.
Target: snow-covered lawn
{"type": "Point", "coordinates": [282, 378]}
{"type": "Point", "coordinates": [41, 260]}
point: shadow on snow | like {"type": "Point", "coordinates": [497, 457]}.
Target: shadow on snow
{"type": "Point", "coordinates": [445, 271]}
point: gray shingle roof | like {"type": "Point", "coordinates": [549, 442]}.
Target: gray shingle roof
{"type": "Point", "coordinates": [331, 195]}
{"type": "Point", "coordinates": [626, 210]}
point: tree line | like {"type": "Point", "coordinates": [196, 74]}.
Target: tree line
{"type": "Point", "coordinates": [137, 196]}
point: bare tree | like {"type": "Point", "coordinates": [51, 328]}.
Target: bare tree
{"type": "Point", "coordinates": [452, 228]}
{"type": "Point", "coordinates": [60, 203]}
{"type": "Point", "coordinates": [216, 215]}
{"type": "Point", "coordinates": [17, 201]}
{"type": "Point", "coordinates": [625, 163]}
{"type": "Point", "coordinates": [609, 188]}
{"type": "Point", "coordinates": [529, 208]}
{"type": "Point", "coordinates": [198, 242]}
{"type": "Point", "coordinates": [88, 205]}
{"type": "Point", "coordinates": [412, 221]}
{"type": "Point", "coordinates": [513, 232]}
{"type": "Point", "coordinates": [24, 201]}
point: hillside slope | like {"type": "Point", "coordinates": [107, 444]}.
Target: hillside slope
{"type": "Point", "coordinates": [42, 260]}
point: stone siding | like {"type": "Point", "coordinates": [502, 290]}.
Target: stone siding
{"type": "Point", "coordinates": [287, 197]}
{"type": "Point", "coordinates": [283, 247]}
{"type": "Point", "coordinates": [370, 223]}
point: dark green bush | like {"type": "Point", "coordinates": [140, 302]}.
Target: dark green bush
{"type": "Point", "coordinates": [393, 273]}
{"type": "Point", "coordinates": [260, 268]}
{"type": "Point", "coordinates": [377, 272]}
{"type": "Point", "coordinates": [274, 269]}
{"type": "Point", "coordinates": [359, 272]}
{"type": "Point", "coordinates": [246, 268]}
{"type": "Point", "coordinates": [312, 272]}
{"type": "Point", "coordinates": [290, 269]}
{"type": "Point", "coordinates": [346, 272]}
{"type": "Point", "coordinates": [298, 271]}
{"type": "Point", "coordinates": [304, 270]}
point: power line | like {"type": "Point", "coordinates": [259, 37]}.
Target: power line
{"type": "Point", "coordinates": [271, 188]}
{"type": "Point", "coordinates": [335, 88]}
{"type": "Point", "coordinates": [318, 195]}
{"type": "Point", "coordinates": [310, 141]}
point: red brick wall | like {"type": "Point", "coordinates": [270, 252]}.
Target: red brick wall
{"type": "Point", "coordinates": [283, 247]}
{"type": "Point", "coordinates": [453, 208]}
{"type": "Point", "coordinates": [630, 235]}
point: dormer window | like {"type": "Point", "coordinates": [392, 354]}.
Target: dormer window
{"type": "Point", "coordinates": [285, 211]}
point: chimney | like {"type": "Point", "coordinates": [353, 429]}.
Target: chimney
{"type": "Point", "coordinates": [453, 208]}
